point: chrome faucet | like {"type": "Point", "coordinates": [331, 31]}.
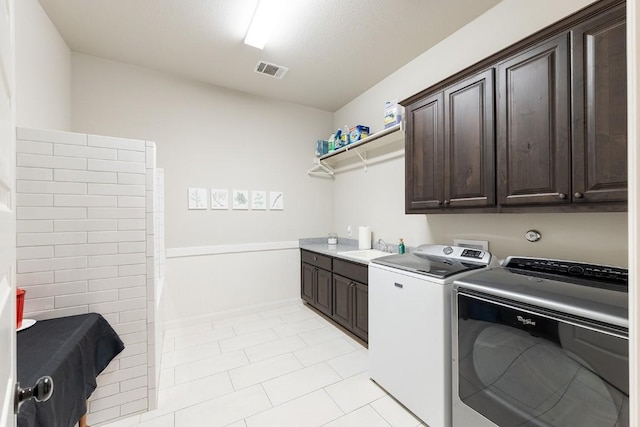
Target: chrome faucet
{"type": "Point", "coordinates": [384, 245]}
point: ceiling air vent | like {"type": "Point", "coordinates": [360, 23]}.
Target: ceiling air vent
{"type": "Point", "coordinates": [272, 70]}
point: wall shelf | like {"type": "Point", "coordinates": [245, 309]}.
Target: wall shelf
{"type": "Point", "coordinates": [362, 151]}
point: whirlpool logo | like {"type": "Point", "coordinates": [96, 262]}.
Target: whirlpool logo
{"type": "Point", "coordinates": [526, 321]}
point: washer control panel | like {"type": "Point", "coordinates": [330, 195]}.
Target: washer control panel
{"type": "Point", "coordinates": [455, 253]}
{"type": "Point", "coordinates": [473, 253]}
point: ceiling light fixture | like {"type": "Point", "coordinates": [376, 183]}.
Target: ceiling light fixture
{"type": "Point", "coordinates": [263, 22]}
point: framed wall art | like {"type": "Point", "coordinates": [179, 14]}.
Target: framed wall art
{"type": "Point", "coordinates": [240, 199]}
{"type": "Point", "coordinates": [276, 200]}
{"type": "Point", "coordinates": [197, 198]}
{"type": "Point", "coordinates": [219, 199]}
{"type": "Point", "coordinates": [258, 200]}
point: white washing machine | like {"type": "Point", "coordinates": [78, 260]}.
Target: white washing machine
{"type": "Point", "coordinates": [410, 325]}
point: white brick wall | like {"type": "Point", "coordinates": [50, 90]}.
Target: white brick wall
{"type": "Point", "coordinates": [85, 243]}
{"type": "Point", "coordinates": [150, 207]}
{"type": "Point", "coordinates": [159, 272]}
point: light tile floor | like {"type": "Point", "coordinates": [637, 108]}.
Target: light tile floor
{"type": "Point", "coordinates": [284, 368]}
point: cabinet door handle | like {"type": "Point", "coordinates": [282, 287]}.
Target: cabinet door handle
{"type": "Point", "coordinates": [562, 196]}
{"type": "Point", "coordinates": [398, 285]}
{"type": "Point", "coordinates": [446, 202]}
{"type": "Point", "coordinates": [439, 202]}
{"type": "Point", "coordinates": [578, 195]}
{"type": "Point", "coordinates": [315, 258]}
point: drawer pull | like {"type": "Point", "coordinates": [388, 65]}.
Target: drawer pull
{"type": "Point", "coordinates": [398, 285]}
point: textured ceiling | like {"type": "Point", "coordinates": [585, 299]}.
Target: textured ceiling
{"type": "Point", "coordinates": [335, 49]}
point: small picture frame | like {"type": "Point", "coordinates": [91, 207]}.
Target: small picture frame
{"type": "Point", "coordinates": [276, 200]}
{"type": "Point", "coordinates": [258, 200]}
{"type": "Point", "coordinates": [240, 199]}
{"type": "Point", "coordinates": [197, 198]}
{"type": "Point", "coordinates": [219, 199]}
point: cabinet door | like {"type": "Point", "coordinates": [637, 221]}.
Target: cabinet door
{"type": "Point", "coordinates": [306, 283]}
{"type": "Point", "coordinates": [423, 154]}
{"type": "Point", "coordinates": [469, 178]}
{"type": "Point", "coordinates": [361, 310]}
{"type": "Point", "coordinates": [323, 291]}
{"type": "Point", "coordinates": [533, 147]}
{"type": "Point", "coordinates": [342, 301]}
{"type": "Point", "coordinates": [600, 109]}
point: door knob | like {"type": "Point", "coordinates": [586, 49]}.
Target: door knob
{"type": "Point", "coordinates": [41, 392]}
{"type": "Point", "coordinates": [578, 195]}
{"type": "Point", "coordinates": [446, 202]}
{"type": "Point", "coordinates": [562, 196]}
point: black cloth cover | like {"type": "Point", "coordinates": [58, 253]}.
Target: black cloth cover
{"type": "Point", "coordinates": [73, 351]}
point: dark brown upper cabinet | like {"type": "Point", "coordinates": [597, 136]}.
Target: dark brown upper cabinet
{"type": "Point", "coordinates": [450, 147]}
{"type": "Point", "coordinates": [469, 143]}
{"type": "Point", "coordinates": [424, 163]}
{"type": "Point", "coordinates": [558, 107]}
{"type": "Point", "coordinates": [533, 139]}
{"type": "Point", "coordinates": [600, 108]}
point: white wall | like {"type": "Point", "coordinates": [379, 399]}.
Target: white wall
{"type": "Point", "coordinates": [213, 138]}
{"type": "Point", "coordinates": [43, 70]}
{"type": "Point", "coordinates": [376, 197]}
{"type": "Point", "coordinates": [501, 26]}
{"type": "Point", "coordinates": [230, 282]}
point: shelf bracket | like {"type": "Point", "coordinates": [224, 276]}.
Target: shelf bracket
{"type": "Point", "coordinates": [363, 159]}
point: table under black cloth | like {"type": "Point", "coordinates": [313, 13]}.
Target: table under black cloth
{"type": "Point", "coordinates": [73, 351]}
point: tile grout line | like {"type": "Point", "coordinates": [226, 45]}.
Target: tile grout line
{"type": "Point", "coordinates": [243, 352]}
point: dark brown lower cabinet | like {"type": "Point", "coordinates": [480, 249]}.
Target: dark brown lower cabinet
{"type": "Point", "coordinates": [361, 310]}
{"type": "Point", "coordinates": [307, 279]}
{"type": "Point", "coordinates": [342, 301]}
{"type": "Point", "coordinates": [323, 291]}
{"type": "Point", "coordinates": [351, 305]}
{"type": "Point", "coordinates": [342, 294]}
{"type": "Point", "coordinates": [316, 287]}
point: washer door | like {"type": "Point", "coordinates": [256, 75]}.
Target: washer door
{"type": "Point", "coordinates": [520, 368]}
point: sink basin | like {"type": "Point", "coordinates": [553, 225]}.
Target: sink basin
{"type": "Point", "coordinates": [365, 255]}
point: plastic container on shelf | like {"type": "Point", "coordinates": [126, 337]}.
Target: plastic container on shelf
{"type": "Point", "coordinates": [322, 147]}
{"type": "Point", "coordinates": [357, 133]}
{"type": "Point", "coordinates": [392, 113]}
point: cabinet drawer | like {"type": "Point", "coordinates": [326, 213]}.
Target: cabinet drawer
{"type": "Point", "coordinates": [353, 271]}
{"type": "Point", "coordinates": [316, 259]}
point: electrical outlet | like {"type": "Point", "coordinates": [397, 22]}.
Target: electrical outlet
{"type": "Point", "coordinates": [349, 231]}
